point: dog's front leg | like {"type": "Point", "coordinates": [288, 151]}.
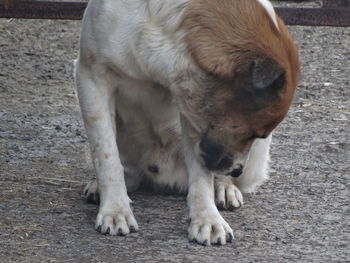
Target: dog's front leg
{"type": "Point", "coordinates": [97, 105]}
{"type": "Point", "coordinates": [207, 226]}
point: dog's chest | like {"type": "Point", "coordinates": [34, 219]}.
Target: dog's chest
{"type": "Point", "coordinates": [148, 127]}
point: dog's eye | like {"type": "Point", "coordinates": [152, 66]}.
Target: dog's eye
{"type": "Point", "coordinates": [257, 136]}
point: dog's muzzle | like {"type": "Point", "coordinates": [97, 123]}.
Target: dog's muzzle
{"type": "Point", "coordinates": [213, 155]}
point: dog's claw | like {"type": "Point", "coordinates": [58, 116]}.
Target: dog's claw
{"type": "Point", "coordinates": [132, 229]}
{"type": "Point", "coordinates": [230, 238]}
{"type": "Point", "coordinates": [221, 205]}
{"type": "Point", "coordinates": [90, 193]}
{"type": "Point", "coordinates": [90, 198]}
{"type": "Point", "coordinates": [98, 229]}
{"type": "Point", "coordinates": [231, 207]}
{"type": "Point", "coordinates": [120, 232]}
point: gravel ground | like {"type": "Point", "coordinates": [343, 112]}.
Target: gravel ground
{"type": "Point", "coordinates": [300, 215]}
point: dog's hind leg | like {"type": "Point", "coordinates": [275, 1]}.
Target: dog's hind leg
{"type": "Point", "coordinates": [90, 193]}
{"type": "Point", "coordinates": [132, 182]}
{"type": "Point", "coordinates": [255, 171]}
{"type": "Point", "coordinates": [227, 195]}
{"type": "Point", "coordinates": [96, 92]}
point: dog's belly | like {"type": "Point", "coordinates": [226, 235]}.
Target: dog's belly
{"type": "Point", "coordinates": [149, 134]}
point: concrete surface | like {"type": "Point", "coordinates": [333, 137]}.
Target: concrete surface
{"type": "Point", "coordinates": [300, 215]}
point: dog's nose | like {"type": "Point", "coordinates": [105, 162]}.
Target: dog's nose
{"type": "Point", "coordinates": [237, 171]}
{"type": "Point", "coordinates": [213, 155]}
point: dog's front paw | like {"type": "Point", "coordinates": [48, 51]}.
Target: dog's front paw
{"type": "Point", "coordinates": [115, 221]}
{"type": "Point", "coordinates": [209, 228]}
{"type": "Point", "coordinates": [227, 195]}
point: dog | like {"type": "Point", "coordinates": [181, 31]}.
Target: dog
{"type": "Point", "coordinates": [185, 94]}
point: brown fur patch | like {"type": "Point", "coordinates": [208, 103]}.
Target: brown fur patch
{"type": "Point", "coordinates": [225, 36]}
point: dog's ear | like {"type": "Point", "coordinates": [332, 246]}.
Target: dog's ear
{"type": "Point", "coordinates": [267, 74]}
{"type": "Point", "coordinates": [266, 80]}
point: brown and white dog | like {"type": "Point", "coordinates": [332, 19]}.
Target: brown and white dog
{"type": "Point", "coordinates": [186, 94]}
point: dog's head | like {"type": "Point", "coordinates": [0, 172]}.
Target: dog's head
{"type": "Point", "coordinates": [249, 69]}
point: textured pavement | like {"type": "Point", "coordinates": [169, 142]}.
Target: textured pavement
{"type": "Point", "coordinates": [300, 215]}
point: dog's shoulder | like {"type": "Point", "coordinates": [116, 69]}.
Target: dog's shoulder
{"type": "Point", "coordinates": [138, 38]}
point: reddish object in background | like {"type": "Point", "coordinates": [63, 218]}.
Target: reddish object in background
{"type": "Point", "coordinates": [333, 12]}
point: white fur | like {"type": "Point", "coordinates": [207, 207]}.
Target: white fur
{"type": "Point", "coordinates": [270, 10]}
{"type": "Point", "coordinates": [255, 171]}
{"type": "Point", "coordinates": [131, 58]}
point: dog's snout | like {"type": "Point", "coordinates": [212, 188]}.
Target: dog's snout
{"type": "Point", "coordinates": [213, 155]}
